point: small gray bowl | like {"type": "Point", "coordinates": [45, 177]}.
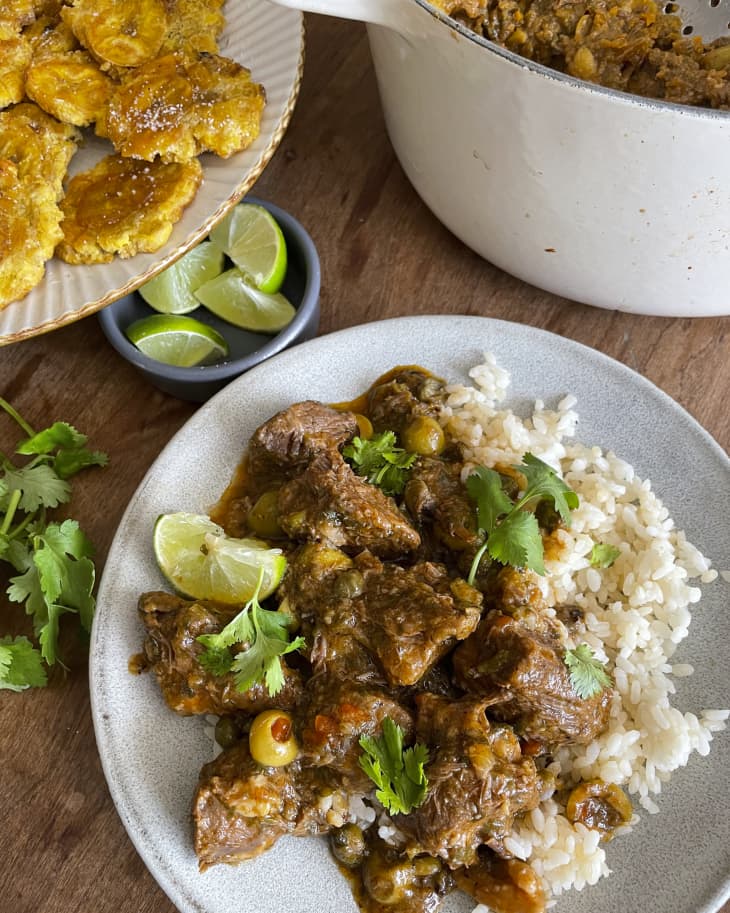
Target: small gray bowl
{"type": "Point", "coordinates": [301, 287]}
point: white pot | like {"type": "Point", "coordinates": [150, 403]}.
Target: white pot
{"type": "Point", "coordinates": [600, 196]}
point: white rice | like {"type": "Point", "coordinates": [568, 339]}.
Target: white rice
{"type": "Point", "coordinates": [636, 613]}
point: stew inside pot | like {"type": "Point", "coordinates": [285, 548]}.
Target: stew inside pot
{"type": "Point", "coordinates": [636, 46]}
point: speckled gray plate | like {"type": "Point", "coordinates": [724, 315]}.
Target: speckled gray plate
{"type": "Point", "coordinates": [674, 862]}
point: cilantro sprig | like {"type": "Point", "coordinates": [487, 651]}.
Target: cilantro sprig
{"type": "Point", "coordinates": [511, 531]}
{"type": "Point", "coordinates": [587, 673]}
{"type": "Point", "coordinates": [380, 461]}
{"type": "Point", "coordinates": [398, 774]}
{"type": "Point", "coordinates": [265, 637]}
{"type": "Point", "coordinates": [55, 573]}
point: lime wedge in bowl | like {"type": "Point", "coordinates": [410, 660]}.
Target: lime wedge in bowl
{"type": "Point", "coordinates": [175, 340]}
{"type": "Point", "coordinates": [252, 238]}
{"type": "Point", "coordinates": [201, 562]}
{"type": "Point", "coordinates": [230, 297]}
{"type": "Point", "coordinates": [171, 291]}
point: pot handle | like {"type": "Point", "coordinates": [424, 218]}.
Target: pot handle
{"type": "Point", "coordinates": [395, 14]}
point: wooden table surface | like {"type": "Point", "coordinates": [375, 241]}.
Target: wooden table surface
{"type": "Point", "coordinates": [62, 846]}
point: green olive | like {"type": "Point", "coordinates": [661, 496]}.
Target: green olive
{"type": "Point", "coordinates": [600, 806]}
{"type": "Point", "coordinates": [263, 518]}
{"type": "Point", "coordinates": [271, 739]}
{"type": "Point", "coordinates": [348, 845]}
{"type": "Point", "coordinates": [364, 425]}
{"type": "Point", "coordinates": [424, 436]}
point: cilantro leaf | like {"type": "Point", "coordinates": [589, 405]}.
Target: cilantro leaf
{"type": "Point", "coordinates": [485, 488]}
{"type": "Point", "coordinates": [39, 486]}
{"type": "Point", "coordinates": [398, 774]}
{"type": "Point", "coordinates": [511, 530]}
{"type": "Point", "coordinates": [543, 483]}
{"type": "Point", "coordinates": [20, 665]}
{"type": "Point", "coordinates": [603, 555]}
{"type": "Point", "coordinates": [55, 573]}
{"type": "Point", "coordinates": [59, 580]}
{"type": "Point", "coordinates": [587, 675]}
{"type": "Point", "coordinates": [72, 455]}
{"type": "Point", "coordinates": [517, 541]}
{"type": "Point", "coordinates": [264, 636]}
{"type": "Point", "coordinates": [380, 461]}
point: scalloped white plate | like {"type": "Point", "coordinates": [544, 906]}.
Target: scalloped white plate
{"type": "Point", "coordinates": [269, 40]}
{"type": "Point", "coordinates": [674, 862]}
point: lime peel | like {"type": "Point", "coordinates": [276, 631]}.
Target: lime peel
{"type": "Point", "coordinates": [201, 562]}
{"type": "Point", "coordinates": [176, 340]}
{"type": "Point", "coordinates": [253, 240]}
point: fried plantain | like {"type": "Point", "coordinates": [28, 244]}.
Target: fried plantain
{"type": "Point", "coordinates": [39, 146]}
{"type": "Point", "coordinates": [193, 26]}
{"type": "Point", "coordinates": [178, 106]}
{"type": "Point", "coordinates": [14, 16]}
{"type": "Point", "coordinates": [15, 55]}
{"type": "Point", "coordinates": [124, 33]}
{"type": "Point", "coordinates": [29, 231]}
{"type": "Point", "coordinates": [124, 206]}
{"type": "Point", "coordinates": [69, 86]}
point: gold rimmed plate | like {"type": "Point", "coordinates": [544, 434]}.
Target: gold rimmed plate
{"type": "Point", "coordinates": [267, 39]}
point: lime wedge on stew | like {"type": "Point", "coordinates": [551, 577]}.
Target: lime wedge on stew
{"type": "Point", "coordinates": [251, 237]}
{"type": "Point", "coordinates": [174, 340]}
{"type": "Point", "coordinates": [231, 298]}
{"type": "Point", "coordinates": [171, 292]}
{"type": "Point", "coordinates": [200, 561]}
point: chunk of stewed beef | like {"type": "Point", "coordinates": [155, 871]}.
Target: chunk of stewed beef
{"type": "Point", "coordinates": [438, 501]}
{"type": "Point", "coordinates": [334, 715]}
{"type": "Point", "coordinates": [171, 649]}
{"type": "Point", "coordinates": [329, 503]}
{"type": "Point", "coordinates": [402, 397]}
{"type": "Point", "coordinates": [517, 661]}
{"type": "Point", "coordinates": [478, 781]}
{"type": "Point", "coordinates": [241, 808]}
{"type": "Point", "coordinates": [284, 445]}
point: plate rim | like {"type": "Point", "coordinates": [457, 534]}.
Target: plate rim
{"type": "Point", "coordinates": [710, 897]}
{"type": "Point", "coordinates": [134, 282]}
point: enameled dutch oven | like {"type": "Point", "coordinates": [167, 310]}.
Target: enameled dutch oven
{"type": "Point", "coordinates": [597, 195]}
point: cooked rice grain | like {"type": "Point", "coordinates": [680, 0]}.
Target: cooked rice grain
{"type": "Point", "coordinates": [636, 612]}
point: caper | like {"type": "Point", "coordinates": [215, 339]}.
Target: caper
{"type": "Point", "coordinates": [226, 732]}
{"type": "Point", "coordinates": [271, 739]}
{"type": "Point", "coordinates": [424, 435]}
{"type": "Point", "coordinates": [263, 518]}
{"type": "Point", "coordinates": [348, 584]}
{"type": "Point", "coordinates": [348, 845]}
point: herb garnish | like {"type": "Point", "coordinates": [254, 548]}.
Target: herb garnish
{"type": "Point", "coordinates": [265, 636]}
{"type": "Point", "coordinates": [380, 461]}
{"type": "Point", "coordinates": [511, 529]}
{"type": "Point", "coordinates": [603, 555]}
{"type": "Point", "coordinates": [398, 774]}
{"type": "Point", "coordinates": [53, 560]}
{"type": "Point", "coordinates": [587, 674]}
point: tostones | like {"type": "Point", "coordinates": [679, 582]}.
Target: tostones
{"type": "Point", "coordinates": [124, 33]}
{"type": "Point", "coordinates": [15, 55]}
{"type": "Point", "coordinates": [178, 106]}
{"type": "Point", "coordinates": [14, 16]}
{"type": "Point", "coordinates": [29, 231]}
{"type": "Point", "coordinates": [124, 206]}
{"type": "Point", "coordinates": [193, 26]}
{"type": "Point", "coordinates": [39, 146]}
{"type": "Point", "coordinates": [69, 86]}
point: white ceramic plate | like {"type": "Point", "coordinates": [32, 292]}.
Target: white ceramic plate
{"type": "Point", "coordinates": [675, 862]}
{"type": "Point", "coordinates": [267, 39]}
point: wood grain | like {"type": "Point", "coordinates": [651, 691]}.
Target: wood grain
{"type": "Point", "coordinates": [62, 846]}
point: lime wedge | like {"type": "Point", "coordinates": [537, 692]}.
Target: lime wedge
{"type": "Point", "coordinates": [251, 237]}
{"type": "Point", "coordinates": [174, 340]}
{"type": "Point", "coordinates": [171, 292]}
{"type": "Point", "coordinates": [201, 562]}
{"type": "Point", "coordinates": [231, 298]}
